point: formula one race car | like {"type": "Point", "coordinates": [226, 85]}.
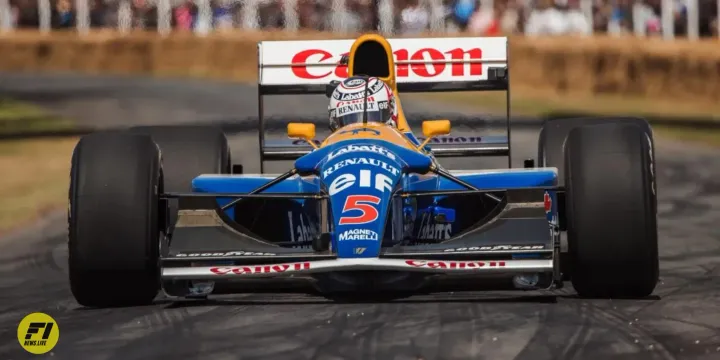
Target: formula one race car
{"type": "Point", "coordinates": [370, 208]}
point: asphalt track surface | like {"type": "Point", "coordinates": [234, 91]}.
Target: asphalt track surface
{"type": "Point", "coordinates": [680, 322]}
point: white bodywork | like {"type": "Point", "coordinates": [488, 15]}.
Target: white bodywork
{"type": "Point", "coordinates": [319, 266]}
{"type": "Point", "coordinates": [281, 62]}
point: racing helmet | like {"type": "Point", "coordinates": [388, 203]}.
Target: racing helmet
{"type": "Point", "coordinates": [361, 99]}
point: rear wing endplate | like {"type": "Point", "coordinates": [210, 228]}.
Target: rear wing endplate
{"type": "Point", "coordinates": [421, 65]}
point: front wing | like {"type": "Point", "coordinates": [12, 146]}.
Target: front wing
{"type": "Point", "coordinates": [206, 246]}
{"type": "Point", "coordinates": [319, 266]}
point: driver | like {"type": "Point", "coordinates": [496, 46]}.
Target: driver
{"type": "Point", "coordinates": [362, 99]}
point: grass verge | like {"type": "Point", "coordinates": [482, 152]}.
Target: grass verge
{"type": "Point", "coordinates": [19, 117]}
{"type": "Point", "coordinates": [35, 180]}
{"type": "Point", "coordinates": [701, 136]}
{"type": "Point", "coordinates": [36, 176]}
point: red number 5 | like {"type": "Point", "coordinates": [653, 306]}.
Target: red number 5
{"type": "Point", "coordinates": [360, 203]}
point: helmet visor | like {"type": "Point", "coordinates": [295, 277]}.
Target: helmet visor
{"type": "Point", "coordinates": [372, 116]}
{"type": "Point", "coordinates": [353, 113]}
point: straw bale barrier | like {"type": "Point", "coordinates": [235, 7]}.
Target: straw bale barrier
{"type": "Point", "coordinates": [648, 68]}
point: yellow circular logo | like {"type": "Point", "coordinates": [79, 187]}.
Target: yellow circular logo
{"type": "Point", "coordinates": [38, 333]}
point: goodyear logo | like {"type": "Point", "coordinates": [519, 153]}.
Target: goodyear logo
{"type": "Point", "coordinates": [38, 333]}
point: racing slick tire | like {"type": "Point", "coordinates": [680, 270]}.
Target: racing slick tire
{"type": "Point", "coordinates": [187, 151]}
{"type": "Point", "coordinates": [611, 211]}
{"type": "Point", "coordinates": [554, 133]}
{"type": "Point", "coordinates": [551, 142]}
{"type": "Point", "coordinates": [113, 245]}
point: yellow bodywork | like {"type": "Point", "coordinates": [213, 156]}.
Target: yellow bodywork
{"type": "Point", "coordinates": [374, 130]}
{"type": "Point", "coordinates": [371, 130]}
{"type": "Point", "coordinates": [390, 80]}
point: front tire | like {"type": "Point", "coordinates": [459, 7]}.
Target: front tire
{"type": "Point", "coordinates": [187, 151]}
{"type": "Point", "coordinates": [551, 144]}
{"type": "Point", "coordinates": [113, 220]}
{"type": "Point", "coordinates": [554, 133]}
{"type": "Point", "coordinates": [611, 211]}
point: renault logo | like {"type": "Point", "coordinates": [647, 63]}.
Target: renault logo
{"type": "Point", "coordinates": [359, 250]}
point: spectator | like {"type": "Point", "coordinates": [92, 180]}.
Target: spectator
{"type": "Point", "coordinates": [347, 19]}
{"type": "Point", "coordinates": [309, 13]}
{"type": "Point", "coordinates": [222, 15]}
{"type": "Point", "coordinates": [501, 19]}
{"type": "Point", "coordinates": [484, 21]}
{"type": "Point", "coordinates": [184, 15]}
{"type": "Point", "coordinates": [150, 17]}
{"type": "Point", "coordinates": [532, 17]}
{"type": "Point", "coordinates": [462, 11]}
{"type": "Point", "coordinates": [9, 13]}
{"type": "Point", "coordinates": [626, 13]}
{"type": "Point", "coordinates": [543, 19]}
{"type": "Point", "coordinates": [139, 9]}
{"type": "Point", "coordinates": [26, 14]}
{"type": "Point", "coordinates": [680, 17]}
{"type": "Point", "coordinates": [708, 14]}
{"type": "Point", "coordinates": [602, 12]}
{"type": "Point", "coordinates": [558, 18]}
{"type": "Point", "coordinates": [99, 14]}
{"type": "Point", "coordinates": [364, 10]}
{"type": "Point", "coordinates": [414, 18]}
{"type": "Point", "coordinates": [271, 14]}
{"type": "Point", "coordinates": [620, 20]}
{"type": "Point", "coordinates": [510, 17]}
{"type": "Point", "coordinates": [577, 21]}
{"type": "Point", "coordinates": [64, 15]}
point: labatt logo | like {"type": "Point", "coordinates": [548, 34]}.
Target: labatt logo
{"type": "Point", "coordinates": [354, 148]}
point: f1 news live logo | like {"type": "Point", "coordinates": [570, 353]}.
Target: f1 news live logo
{"type": "Point", "coordinates": [38, 333]}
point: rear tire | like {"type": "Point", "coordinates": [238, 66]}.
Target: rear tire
{"type": "Point", "coordinates": [611, 212]}
{"type": "Point", "coordinates": [187, 151]}
{"type": "Point", "coordinates": [113, 220]}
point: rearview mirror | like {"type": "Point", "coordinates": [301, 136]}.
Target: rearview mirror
{"type": "Point", "coordinates": [433, 128]}
{"type": "Point", "coordinates": [305, 131]}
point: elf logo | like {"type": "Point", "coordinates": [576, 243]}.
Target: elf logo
{"type": "Point", "coordinates": [380, 182]}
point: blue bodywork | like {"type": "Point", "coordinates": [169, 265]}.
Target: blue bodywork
{"type": "Point", "coordinates": [360, 177]}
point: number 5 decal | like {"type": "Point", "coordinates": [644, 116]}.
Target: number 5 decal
{"type": "Point", "coordinates": [360, 203]}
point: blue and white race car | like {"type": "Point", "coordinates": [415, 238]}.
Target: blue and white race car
{"type": "Point", "coordinates": [370, 208]}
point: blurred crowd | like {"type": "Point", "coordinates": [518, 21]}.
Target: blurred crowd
{"type": "Point", "coordinates": [481, 17]}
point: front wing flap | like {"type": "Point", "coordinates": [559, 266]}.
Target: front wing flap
{"type": "Point", "coordinates": [224, 272]}
{"type": "Point", "coordinates": [515, 240]}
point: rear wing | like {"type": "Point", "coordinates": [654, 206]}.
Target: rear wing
{"type": "Point", "coordinates": [421, 65]}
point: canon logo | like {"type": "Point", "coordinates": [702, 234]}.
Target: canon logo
{"type": "Point", "coordinates": [318, 56]}
{"type": "Point", "coordinates": [454, 264]}
{"type": "Point", "coordinates": [260, 269]}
